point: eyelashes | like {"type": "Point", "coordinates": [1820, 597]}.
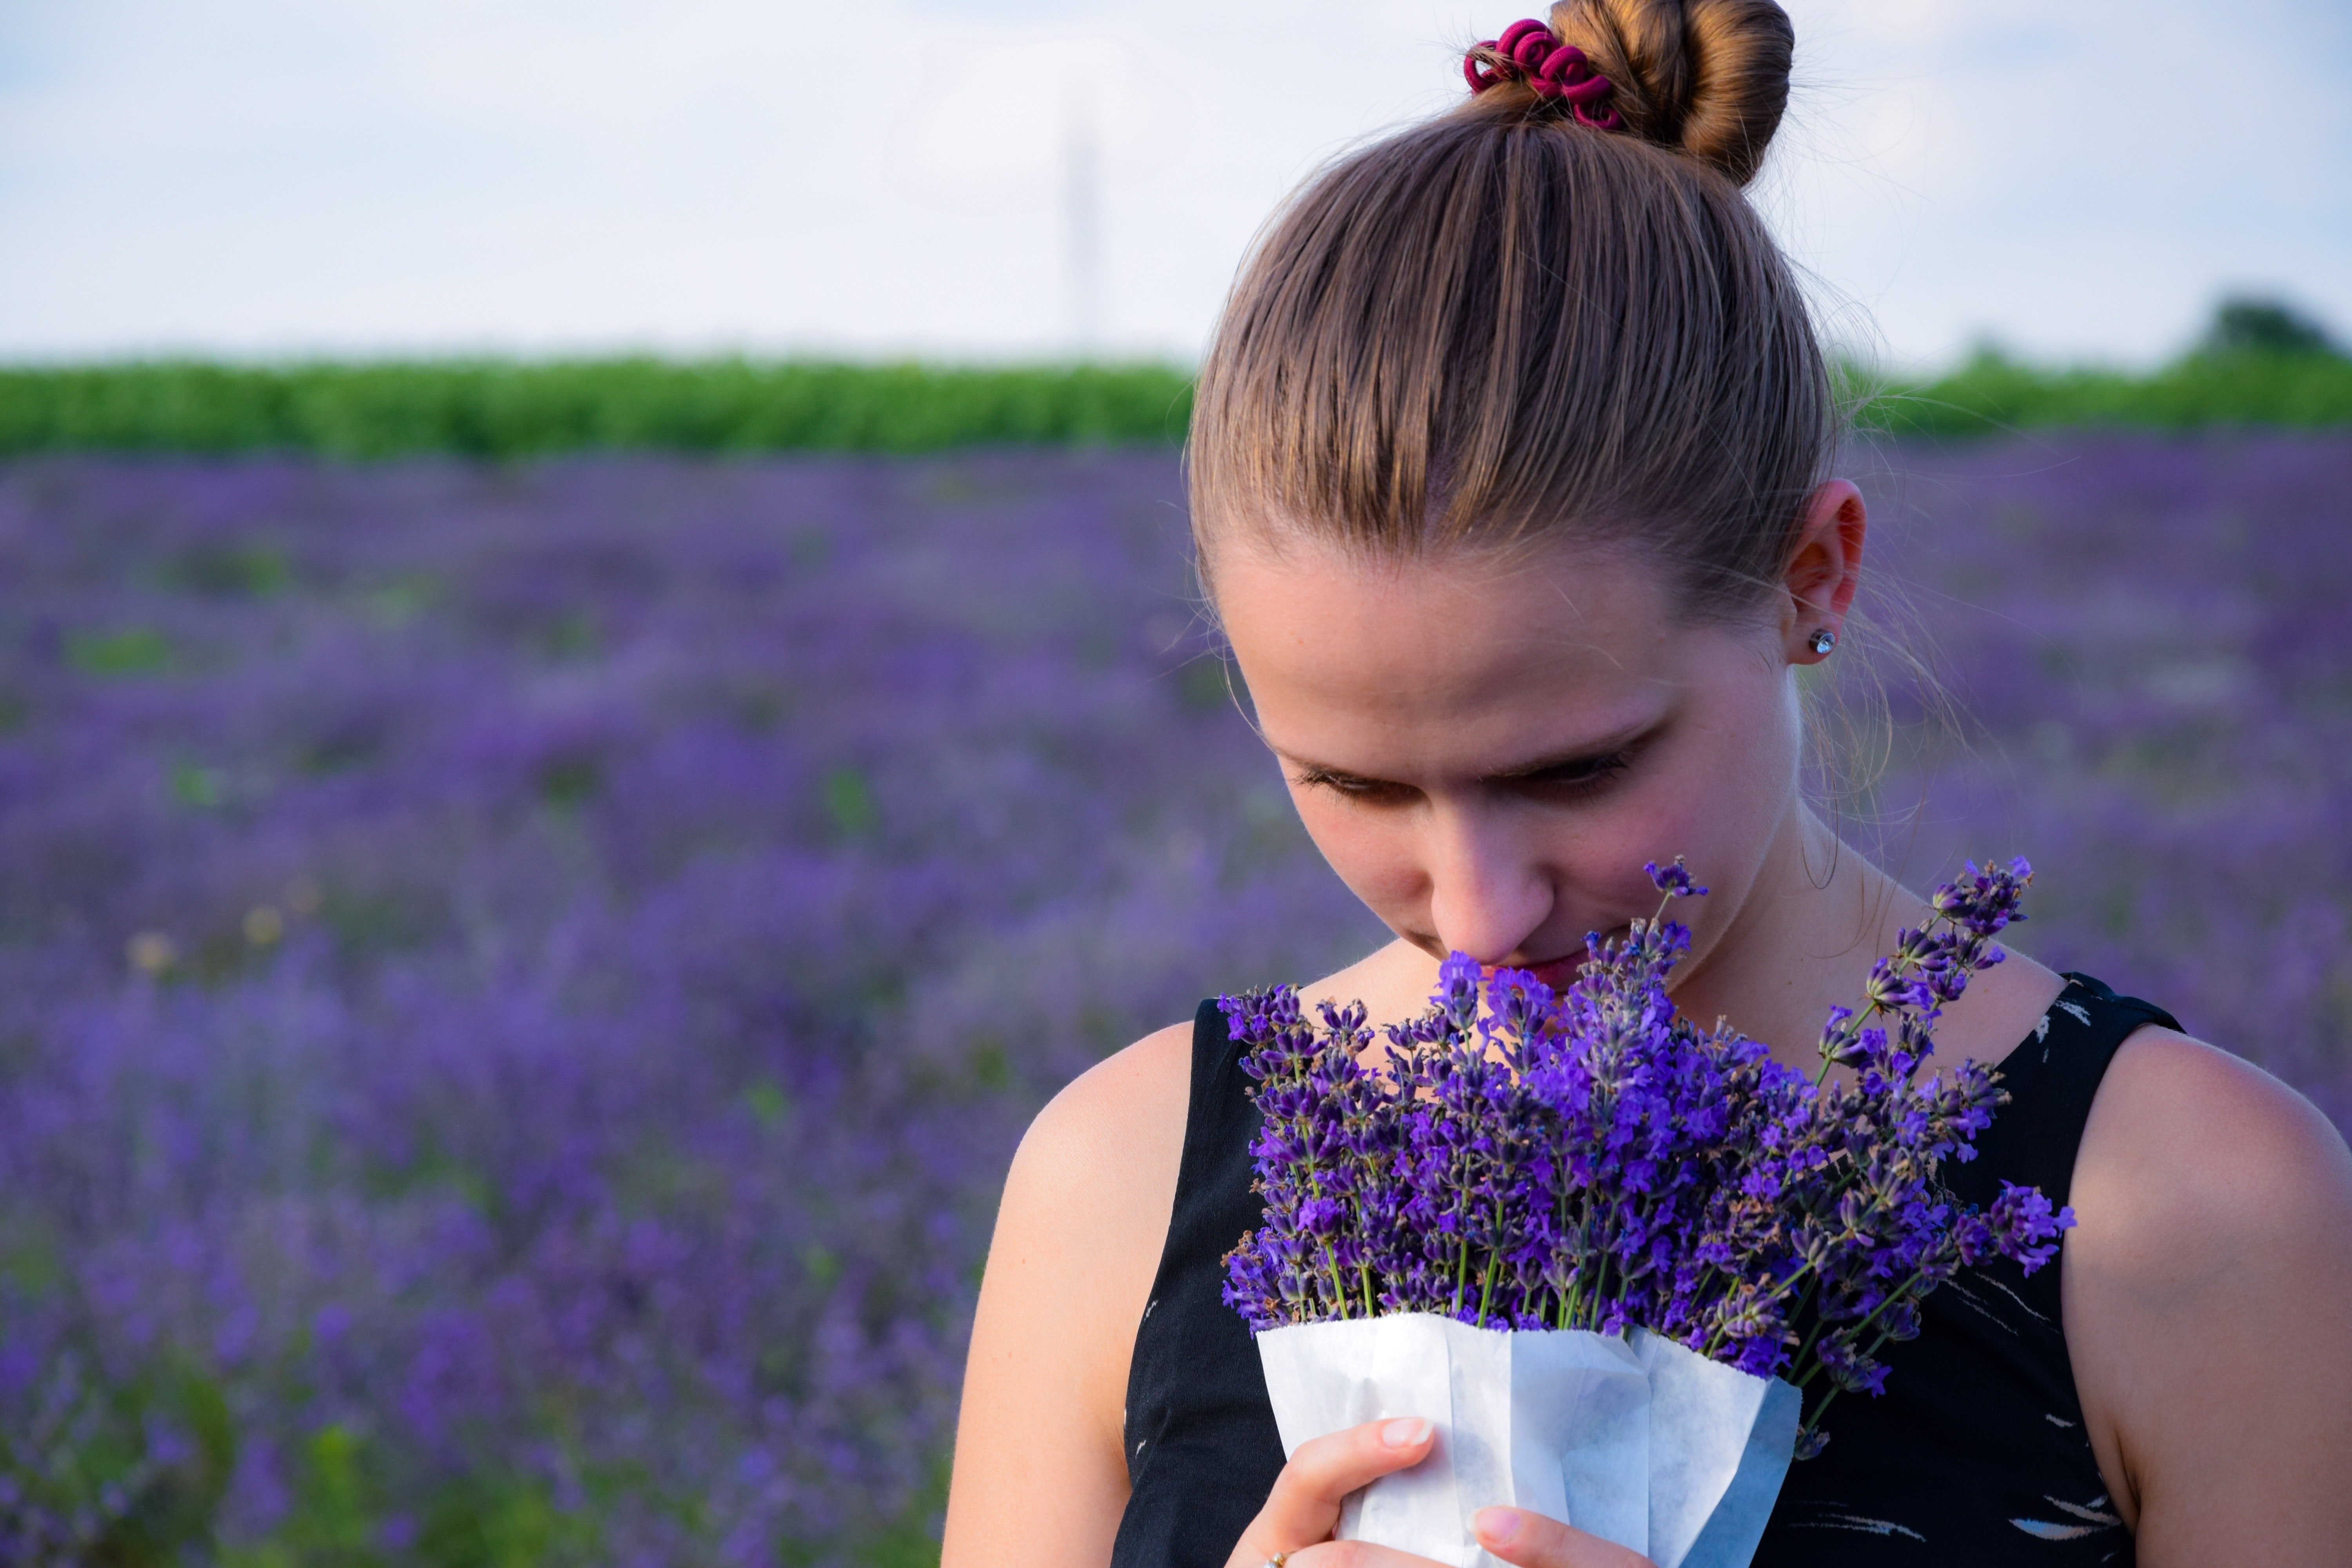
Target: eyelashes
{"type": "Point", "coordinates": [1586, 776]}
{"type": "Point", "coordinates": [1579, 777]}
{"type": "Point", "coordinates": [1344, 785]}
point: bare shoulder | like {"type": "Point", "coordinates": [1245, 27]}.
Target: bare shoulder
{"type": "Point", "coordinates": [2204, 1289]}
{"type": "Point", "coordinates": [1039, 1476]}
{"type": "Point", "coordinates": [2208, 1154]}
{"type": "Point", "coordinates": [1086, 1202]}
{"type": "Point", "coordinates": [1109, 1142]}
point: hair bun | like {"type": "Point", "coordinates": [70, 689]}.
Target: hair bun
{"type": "Point", "coordinates": [1705, 77]}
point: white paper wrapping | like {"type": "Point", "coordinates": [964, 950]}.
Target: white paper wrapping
{"type": "Point", "coordinates": [1642, 1442]}
{"type": "Point", "coordinates": [1719, 1448]}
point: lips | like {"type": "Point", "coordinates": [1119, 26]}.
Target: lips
{"type": "Point", "coordinates": [1557, 973]}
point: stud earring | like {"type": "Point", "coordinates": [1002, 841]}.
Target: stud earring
{"type": "Point", "coordinates": [1822, 640]}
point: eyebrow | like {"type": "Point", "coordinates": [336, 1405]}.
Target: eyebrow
{"type": "Point", "coordinates": [1585, 753]}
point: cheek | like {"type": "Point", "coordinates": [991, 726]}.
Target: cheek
{"type": "Point", "coordinates": [1719, 799]}
{"type": "Point", "coordinates": [1372, 852]}
{"type": "Point", "coordinates": [1725, 786]}
{"type": "Point", "coordinates": [1723, 798]}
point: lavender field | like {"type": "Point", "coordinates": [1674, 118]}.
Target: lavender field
{"type": "Point", "coordinates": [518, 984]}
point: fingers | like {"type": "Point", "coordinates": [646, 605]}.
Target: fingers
{"type": "Point", "coordinates": [1304, 1506]}
{"type": "Point", "coordinates": [1531, 1541]}
{"type": "Point", "coordinates": [1355, 1554]}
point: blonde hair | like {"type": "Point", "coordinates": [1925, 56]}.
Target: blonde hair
{"type": "Point", "coordinates": [1503, 327]}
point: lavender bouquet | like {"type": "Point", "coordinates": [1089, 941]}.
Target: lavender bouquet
{"type": "Point", "coordinates": [1626, 1263]}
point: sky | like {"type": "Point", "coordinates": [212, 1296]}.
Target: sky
{"type": "Point", "coordinates": [2074, 182]}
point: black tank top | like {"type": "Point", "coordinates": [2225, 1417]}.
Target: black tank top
{"type": "Point", "coordinates": [1975, 1453]}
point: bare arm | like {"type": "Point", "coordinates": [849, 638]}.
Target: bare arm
{"type": "Point", "coordinates": [2208, 1298]}
{"type": "Point", "coordinates": [1039, 1475]}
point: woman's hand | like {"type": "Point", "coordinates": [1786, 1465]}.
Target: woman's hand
{"type": "Point", "coordinates": [1304, 1509]}
{"type": "Point", "coordinates": [1531, 1541]}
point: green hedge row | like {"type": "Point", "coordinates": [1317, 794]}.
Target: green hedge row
{"type": "Point", "coordinates": [502, 409]}
{"type": "Point", "coordinates": [2294, 391]}
{"type": "Point", "coordinates": [494, 409]}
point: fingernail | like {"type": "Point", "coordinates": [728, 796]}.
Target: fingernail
{"type": "Point", "coordinates": [1500, 1525]}
{"type": "Point", "coordinates": [1404, 1433]}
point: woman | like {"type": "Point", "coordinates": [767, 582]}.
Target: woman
{"type": "Point", "coordinates": [1509, 492]}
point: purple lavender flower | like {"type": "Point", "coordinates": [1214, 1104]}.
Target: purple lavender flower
{"type": "Point", "coordinates": [746, 847]}
{"type": "Point", "coordinates": [2024, 1229]}
{"type": "Point", "coordinates": [1592, 1160]}
{"type": "Point", "coordinates": [538, 970]}
{"type": "Point", "coordinates": [1674, 879]}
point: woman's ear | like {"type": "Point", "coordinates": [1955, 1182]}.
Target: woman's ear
{"type": "Point", "coordinates": [1823, 570]}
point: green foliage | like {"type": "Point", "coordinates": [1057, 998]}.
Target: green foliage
{"type": "Point", "coordinates": [2264, 326]}
{"type": "Point", "coordinates": [913, 1540]}
{"type": "Point", "coordinates": [135, 650]}
{"type": "Point", "coordinates": [2260, 365]}
{"type": "Point", "coordinates": [129, 1474]}
{"type": "Point", "coordinates": [767, 1102]}
{"type": "Point", "coordinates": [199, 786]}
{"type": "Point", "coordinates": [232, 571]}
{"type": "Point", "coordinates": [333, 1523]}
{"type": "Point", "coordinates": [337, 1519]}
{"type": "Point", "coordinates": [910, 1546]}
{"type": "Point", "coordinates": [849, 802]}
{"type": "Point", "coordinates": [2259, 362]}
{"type": "Point", "coordinates": [2297, 389]}
{"type": "Point", "coordinates": [501, 1522]}
{"type": "Point", "coordinates": [571, 780]}
{"type": "Point", "coordinates": [501, 410]}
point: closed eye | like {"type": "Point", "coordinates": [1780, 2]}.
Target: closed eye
{"type": "Point", "coordinates": [1350, 785]}
{"type": "Point", "coordinates": [1566, 778]}
{"type": "Point", "coordinates": [1578, 776]}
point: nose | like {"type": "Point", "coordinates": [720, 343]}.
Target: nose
{"type": "Point", "coordinates": [1488, 893]}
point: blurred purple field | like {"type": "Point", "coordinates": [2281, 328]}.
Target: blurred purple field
{"type": "Point", "coordinates": [516, 986]}
{"type": "Point", "coordinates": [2149, 642]}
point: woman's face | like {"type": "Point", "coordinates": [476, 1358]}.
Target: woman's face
{"type": "Point", "coordinates": [1487, 751]}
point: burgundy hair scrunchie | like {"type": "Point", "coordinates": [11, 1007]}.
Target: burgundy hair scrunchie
{"type": "Point", "coordinates": [1528, 52]}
